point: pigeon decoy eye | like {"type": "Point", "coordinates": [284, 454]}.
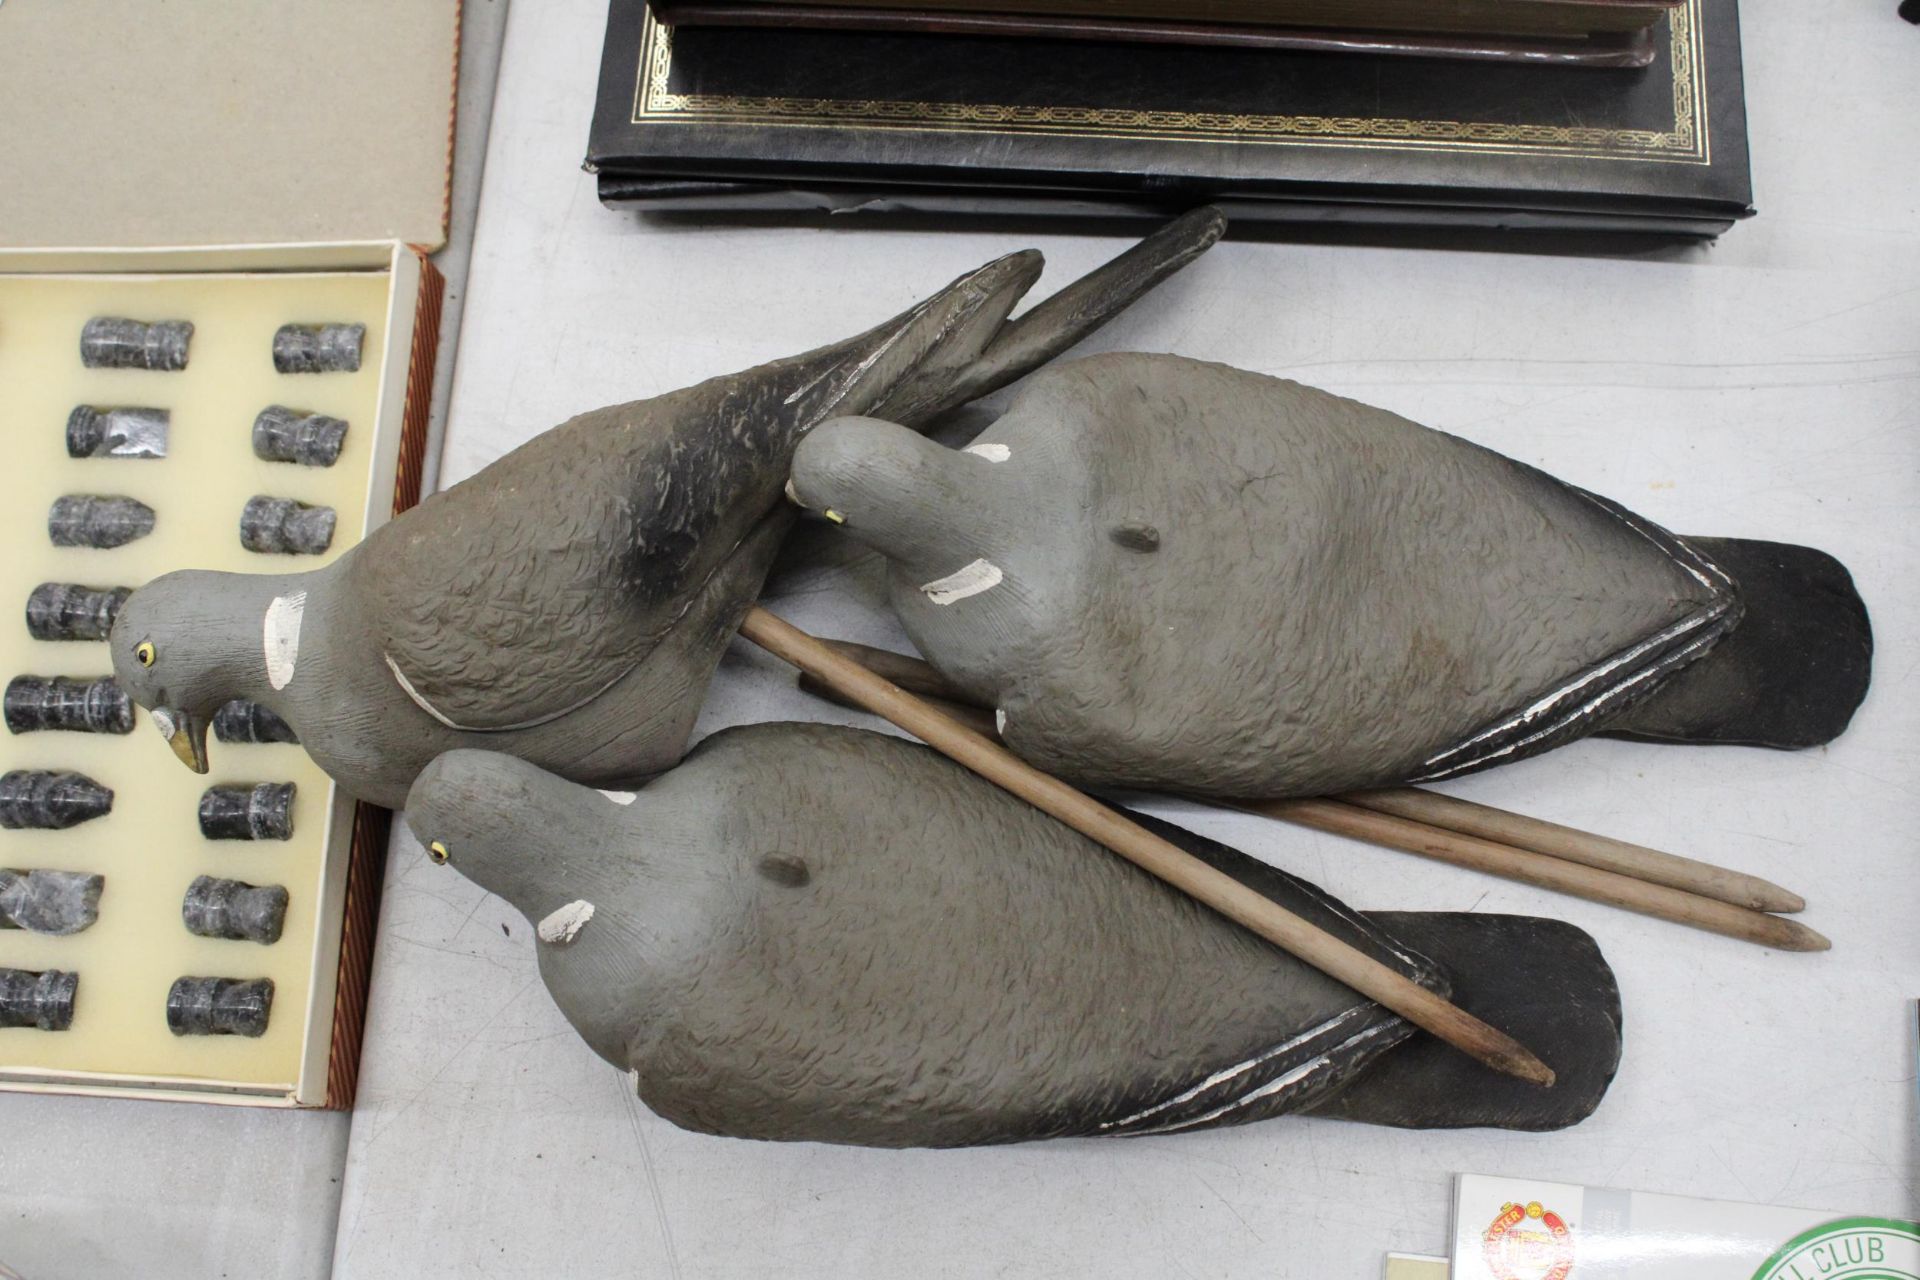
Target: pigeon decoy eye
{"type": "Point", "coordinates": [143, 653]}
{"type": "Point", "coordinates": [438, 853]}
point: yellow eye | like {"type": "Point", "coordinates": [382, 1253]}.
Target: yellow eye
{"type": "Point", "coordinates": [438, 853]}
{"type": "Point", "coordinates": [144, 653]}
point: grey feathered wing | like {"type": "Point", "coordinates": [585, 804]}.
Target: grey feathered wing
{"type": "Point", "coordinates": [1584, 699]}
{"type": "Point", "coordinates": [532, 588]}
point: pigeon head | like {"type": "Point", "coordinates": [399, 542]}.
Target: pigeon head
{"type": "Point", "coordinates": [913, 500]}
{"type": "Point", "coordinates": [190, 641]}
{"type": "Point", "coordinates": [514, 829]}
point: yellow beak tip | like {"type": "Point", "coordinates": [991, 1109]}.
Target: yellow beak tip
{"type": "Point", "coordinates": [188, 742]}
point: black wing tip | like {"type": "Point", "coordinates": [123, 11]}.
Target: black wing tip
{"type": "Point", "coordinates": [1790, 676]}
{"type": "Point", "coordinates": [1023, 266]}
{"type": "Point", "coordinates": [1193, 232]}
{"type": "Point", "coordinates": [1206, 225]}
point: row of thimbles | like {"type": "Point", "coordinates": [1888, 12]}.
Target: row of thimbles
{"type": "Point", "coordinates": [71, 611]}
{"type": "Point", "coordinates": [116, 342]}
{"type": "Point", "coordinates": [56, 799]}
{"type": "Point", "coordinates": [195, 1006]}
{"type": "Point", "coordinates": [280, 434]}
{"type": "Point", "coordinates": [269, 525]}
{"type": "Point", "coordinates": [35, 704]}
{"type": "Point", "coordinates": [62, 903]}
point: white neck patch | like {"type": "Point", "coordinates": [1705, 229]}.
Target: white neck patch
{"type": "Point", "coordinates": [280, 636]}
{"type": "Point", "coordinates": [981, 575]}
{"type": "Point", "coordinates": [565, 923]}
{"type": "Point", "coordinates": [991, 452]}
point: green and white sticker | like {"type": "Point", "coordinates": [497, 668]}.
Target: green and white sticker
{"type": "Point", "coordinates": [1849, 1249]}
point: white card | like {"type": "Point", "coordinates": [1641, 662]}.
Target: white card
{"type": "Point", "coordinates": [1526, 1229]}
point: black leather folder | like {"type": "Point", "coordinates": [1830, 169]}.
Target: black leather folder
{"type": "Point", "coordinates": [696, 118]}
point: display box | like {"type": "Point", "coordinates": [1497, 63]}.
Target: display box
{"type": "Point", "coordinates": [292, 172]}
{"type": "Point", "coordinates": [694, 119]}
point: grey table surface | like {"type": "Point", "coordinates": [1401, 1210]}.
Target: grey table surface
{"type": "Point", "coordinates": [1761, 387]}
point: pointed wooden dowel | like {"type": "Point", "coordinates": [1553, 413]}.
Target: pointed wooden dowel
{"type": "Point", "coordinates": [1430, 815]}
{"type": "Point", "coordinates": [1610, 888]}
{"type": "Point", "coordinates": [1158, 857]}
{"type": "Point", "coordinates": [1522, 832]}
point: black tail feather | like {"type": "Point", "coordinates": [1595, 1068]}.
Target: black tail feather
{"type": "Point", "coordinates": [1790, 675]}
{"type": "Point", "coordinates": [1544, 982]}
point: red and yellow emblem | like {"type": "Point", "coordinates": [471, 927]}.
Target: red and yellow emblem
{"type": "Point", "coordinates": [1528, 1242]}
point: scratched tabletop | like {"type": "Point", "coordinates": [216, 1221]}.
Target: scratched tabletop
{"type": "Point", "coordinates": [1767, 386]}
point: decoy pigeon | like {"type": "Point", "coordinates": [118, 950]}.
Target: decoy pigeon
{"type": "Point", "coordinates": [816, 933]}
{"type": "Point", "coordinates": [1174, 575]}
{"type": "Point", "coordinates": [569, 603]}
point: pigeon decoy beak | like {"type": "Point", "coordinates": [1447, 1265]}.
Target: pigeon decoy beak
{"type": "Point", "coordinates": [186, 733]}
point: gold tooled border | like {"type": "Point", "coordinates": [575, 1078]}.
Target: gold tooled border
{"type": "Point", "coordinates": [1688, 142]}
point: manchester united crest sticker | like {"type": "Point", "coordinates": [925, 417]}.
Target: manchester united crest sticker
{"type": "Point", "coordinates": [1528, 1242]}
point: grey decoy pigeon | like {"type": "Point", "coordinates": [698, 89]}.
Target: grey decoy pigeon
{"type": "Point", "coordinates": [1175, 575]}
{"type": "Point", "coordinates": [569, 602]}
{"type": "Point", "coordinates": [807, 932]}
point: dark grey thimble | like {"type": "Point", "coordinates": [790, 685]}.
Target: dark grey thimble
{"type": "Point", "coordinates": [97, 520]}
{"type": "Point", "coordinates": [263, 811]}
{"type": "Point", "coordinates": [282, 526]}
{"type": "Point", "coordinates": [126, 432]}
{"type": "Point", "coordinates": [234, 910]}
{"type": "Point", "coordinates": [35, 704]}
{"type": "Point", "coordinates": [69, 611]}
{"type": "Point", "coordinates": [244, 721]}
{"type": "Point", "coordinates": [43, 1000]}
{"type": "Point", "coordinates": [281, 434]}
{"type": "Point", "coordinates": [219, 1006]}
{"type": "Point", "coordinates": [41, 799]}
{"type": "Point", "coordinates": [318, 348]}
{"type": "Point", "coordinates": [114, 342]}
{"type": "Point", "coordinates": [52, 902]}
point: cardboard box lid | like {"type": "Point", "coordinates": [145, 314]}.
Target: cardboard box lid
{"type": "Point", "coordinates": [156, 123]}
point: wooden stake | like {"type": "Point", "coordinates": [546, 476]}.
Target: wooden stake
{"type": "Point", "coordinates": [978, 719]}
{"type": "Point", "coordinates": [1522, 832]}
{"type": "Point", "coordinates": [1149, 852]}
{"type": "Point", "coordinates": [1429, 817]}
{"type": "Point", "coordinates": [915, 675]}
{"type": "Point", "coordinates": [1607, 887]}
